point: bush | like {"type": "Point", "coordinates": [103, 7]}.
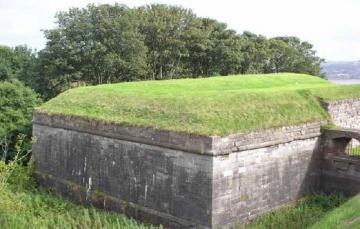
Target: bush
{"type": "Point", "coordinates": [16, 105]}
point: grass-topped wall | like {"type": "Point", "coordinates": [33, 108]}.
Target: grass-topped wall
{"type": "Point", "coordinates": [192, 153]}
{"type": "Point", "coordinates": [209, 106]}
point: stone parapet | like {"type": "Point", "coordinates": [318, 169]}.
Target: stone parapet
{"type": "Point", "coordinates": [209, 145]}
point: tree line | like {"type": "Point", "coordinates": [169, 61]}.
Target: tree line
{"type": "Point", "coordinates": [114, 43]}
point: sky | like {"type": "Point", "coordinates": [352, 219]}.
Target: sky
{"type": "Point", "coordinates": [332, 26]}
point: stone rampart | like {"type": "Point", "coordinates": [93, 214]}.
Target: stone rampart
{"type": "Point", "coordinates": [184, 180]}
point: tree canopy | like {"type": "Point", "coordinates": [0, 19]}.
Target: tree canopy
{"type": "Point", "coordinates": [16, 106]}
{"type": "Point", "coordinates": [114, 43]}
{"type": "Point", "coordinates": [14, 62]}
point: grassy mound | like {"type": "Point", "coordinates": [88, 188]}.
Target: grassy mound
{"type": "Point", "coordinates": [209, 106]}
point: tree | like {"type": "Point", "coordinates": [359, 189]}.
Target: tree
{"type": "Point", "coordinates": [216, 50]}
{"type": "Point", "coordinates": [96, 44]}
{"type": "Point", "coordinates": [16, 106]}
{"type": "Point", "coordinates": [113, 43]}
{"type": "Point", "coordinates": [5, 63]}
{"type": "Point", "coordinates": [282, 57]}
{"type": "Point", "coordinates": [305, 59]}
{"type": "Point", "coordinates": [167, 31]}
{"type": "Point", "coordinates": [255, 49]}
{"type": "Point", "coordinates": [227, 54]}
{"type": "Point", "coordinates": [14, 61]}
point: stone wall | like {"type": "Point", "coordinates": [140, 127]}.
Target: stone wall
{"type": "Point", "coordinates": [175, 179]}
{"type": "Point", "coordinates": [340, 172]}
{"type": "Point", "coordinates": [154, 184]}
{"type": "Point", "coordinates": [251, 182]}
{"type": "Point", "coordinates": [344, 113]}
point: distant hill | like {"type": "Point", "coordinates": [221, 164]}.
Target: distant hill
{"type": "Point", "coordinates": [341, 69]}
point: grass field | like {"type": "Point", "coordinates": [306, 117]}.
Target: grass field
{"type": "Point", "coordinates": [209, 106]}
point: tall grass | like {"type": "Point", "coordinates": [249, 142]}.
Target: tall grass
{"type": "Point", "coordinates": [347, 216]}
{"type": "Point", "coordinates": [303, 214]}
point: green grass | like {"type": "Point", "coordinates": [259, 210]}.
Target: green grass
{"type": "Point", "coordinates": [344, 217]}
{"type": "Point", "coordinates": [209, 106]}
{"type": "Point", "coordinates": [304, 214]}
{"type": "Point", "coordinates": [355, 151]}
{"type": "Point", "coordinates": [338, 92]}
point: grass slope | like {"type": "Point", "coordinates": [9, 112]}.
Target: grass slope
{"type": "Point", "coordinates": [304, 214]}
{"type": "Point", "coordinates": [344, 217]}
{"type": "Point", "coordinates": [209, 106]}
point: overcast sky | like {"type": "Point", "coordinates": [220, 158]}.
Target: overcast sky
{"type": "Point", "coordinates": [331, 25]}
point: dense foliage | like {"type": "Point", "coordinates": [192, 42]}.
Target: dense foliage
{"type": "Point", "coordinates": [114, 43]}
{"type": "Point", "coordinates": [16, 100]}
{"type": "Point", "coordinates": [16, 63]}
{"type": "Point", "coordinates": [16, 105]}
{"type": "Point", "coordinates": [93, 45]}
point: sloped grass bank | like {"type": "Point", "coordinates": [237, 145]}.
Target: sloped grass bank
{"type": "Point", "coordinates": [344, 217]}
{"type": "Point", "coordinates": [209, 106]}
{"type": "Point", "coordinates": [304, 214]}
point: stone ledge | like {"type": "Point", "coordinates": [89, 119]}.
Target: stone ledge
{"type": "Point", "coordinates": [193, 143]}
{"type": "Point", "coordinates": [340, 132]}
{"type": "Point", "coordinates": [168, 139]}
{"type": "Point", "coordinates": [327, 103]}
{"type": "Point", "coordinates": [268, 137]}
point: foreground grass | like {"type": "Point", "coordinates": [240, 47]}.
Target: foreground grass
{"type": "Point", "coordinates": [210, 106]}
{"type": "Point", "coordinates": [344, 217]}
{"type": "Point", "coordinates": [304, 214]}
{"type": "Point", "coordinates": [24, 206]}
